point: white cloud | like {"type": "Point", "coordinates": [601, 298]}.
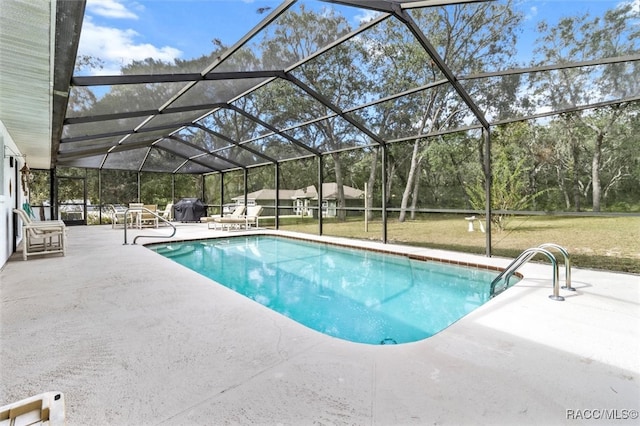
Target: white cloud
{"type": "Point", "coordinates": [366, 16]}
{"type": "Point", "coordinates": [117, 47]}
{"type": "Point", "coordinates": [110, 9]}
{"type": "Point", "coordinates": [635, 5]}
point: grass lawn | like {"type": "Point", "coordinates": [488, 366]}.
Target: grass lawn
{"type": "Point", "coordinates": [609, 243]}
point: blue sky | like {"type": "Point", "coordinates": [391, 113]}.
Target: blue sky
{"type": "Point", "coordinates": [120, 31]}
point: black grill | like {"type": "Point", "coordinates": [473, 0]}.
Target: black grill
{"type": "Point", "coordinates": [189, 210]}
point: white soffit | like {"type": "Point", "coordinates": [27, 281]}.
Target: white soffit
{"type": "Point", "coordinates": [25, 76]}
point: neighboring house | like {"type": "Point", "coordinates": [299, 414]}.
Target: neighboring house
{"type": "Point", "coordinates": [267, 197]}
{"type": "Point", "coordinates": [300, 202]}
{"type": "Point", "coordinates": [307, 197]}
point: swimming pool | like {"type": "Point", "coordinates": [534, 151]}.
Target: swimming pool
{"type": "Point", "coordinates": [352, 294]}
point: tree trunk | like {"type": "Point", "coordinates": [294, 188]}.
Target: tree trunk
{"type": "Point", "coordinates": [390, 173]}
{"type": "Point", "coordinates": [414, 195]}
{"type": "Point", "coordinates": [575, 154]}
{"type": "Point", "coordinates": [409, 186]}
{"type": "Point", "coordinates": [372, 181]}
{"type": "Point", "coordinates": [341, 213]}
{"type": "Point", "coordinates": [596, 161]}
{"type": "Point", "coordinates": [595, 172]}
{"type": "Point", "coordinates": [562, 187]}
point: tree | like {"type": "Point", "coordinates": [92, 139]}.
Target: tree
{"type": "Point", "coordinates": [581, 38]}
{"type": "Point", "coordinates": [470, 38]}
{"type": "Point", "coordinates": [510, 190]}
{"type": "Point", "coordinates": [450, 162]}
{"type": "Point", "coordinates": [82, 98]}
{"type": "Point", "coordinates": [296, 36]}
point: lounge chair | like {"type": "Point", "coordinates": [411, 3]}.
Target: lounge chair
{"type": "Point", "coordinates": [43, 237]}
{"type": "Point", "coordinates": [236, 214]}
{"type": "Point", "coordinates": [253, 216]}
{"type": "Point", "coordinates": [248, 220]}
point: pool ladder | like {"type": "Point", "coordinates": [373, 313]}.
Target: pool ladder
{"type": "Point", "coordinates": [527, 255]}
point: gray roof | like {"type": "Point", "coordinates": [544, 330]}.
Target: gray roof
{"type": "Point", "coordinates": [267, 194]}
{"type": "Point", "coordinates": [329, 192]}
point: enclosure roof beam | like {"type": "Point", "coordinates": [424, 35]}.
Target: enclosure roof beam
{"type": "Point", "coordinates": [404, 17]}
{"type": "Point", "coordinates": [104, 150]}
{"type": "Point", "coordinates": [377, 5]}
{"type": "Point", "coordinates": [273, 129]}
{"type": "Point", "coordinates": [622, 101]}
{"type": "Point", "coordinates": [432, 3]}
{"type": "Point", "coordinates": [213, 154]}
{"type": "Point", "coordinates": [192, 159]}
{"type": "Point", "coordinates": [126, 132]}
{"type": "Point", "coordinates": [286, 4]}
{"type": "Point", "coordinates": [350, 110]}
{"type": "Point", "coordinates": [436, 133]}
{"type": "Point", "coordinates": [387, 6]}
{"type": "Point", "coordinates": [201, 149]}
{"type": "Point", "coordinates": [553, 67]}
{"type": "Point", "coordinates": [111, 80]}
{"type": "Point", "coordinates": [422, 88]}
{"type": "Point", "coordinates": [140, 113]}
{"type": "Point", "coordinates": [372, 23]}
{"type": "Point", "coordinates": [184, 142]}
{"type": "Point", "coordinates": [177, 154]}
{"type": "Point", "coordinates": [68, 26]}
{"type": "Point", "coordinates": [324, 101]}
{"type": "Point", "coordinates": [228, 139]}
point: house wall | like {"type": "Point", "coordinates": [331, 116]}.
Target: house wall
{"type": "Point", "coordinates": [331, 209]}
{"type": "Point", "coordinates": [10, 193]}
{"type": "Point", "coordinates": [285, 208]}
{"type": "Point", "coordinates": [355, 203]}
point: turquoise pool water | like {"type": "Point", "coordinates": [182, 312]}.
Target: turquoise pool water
{"type": "Point", "coordinates": [351, 294]}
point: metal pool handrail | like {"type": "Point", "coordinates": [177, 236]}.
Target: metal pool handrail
{"type": "Point", "coordinates": [524, 257]}
{"type": "Point", "coordinates": [137, 209]}
{"type": "Point", "coordinates": [567, 264]}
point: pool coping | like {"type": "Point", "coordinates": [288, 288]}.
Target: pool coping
{"type": "Point", "coordinates": [334, 242]}
{"type": "Point", "coordinates": [130, 337]}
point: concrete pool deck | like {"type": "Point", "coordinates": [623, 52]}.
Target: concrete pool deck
{"type": "Point", "coordinates": [132, 338]}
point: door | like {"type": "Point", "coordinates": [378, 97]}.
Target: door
{"type": "Point", "coordinates": [72, 200]}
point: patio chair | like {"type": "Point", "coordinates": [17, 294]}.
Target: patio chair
{"type": "Point", "coordinates": [117, 214]}
{"type": "Point", "coordinates": [42, 237]}
{"type": "Point", "coordinates": [167, 213]}
{"type": "Point", "coordinates": [148, 216]}
{"type": "Point", "coordinates": [135, 209]}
